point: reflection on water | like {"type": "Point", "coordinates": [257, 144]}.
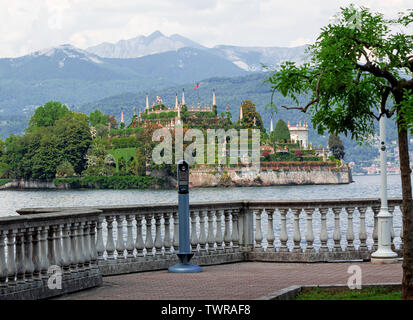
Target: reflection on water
{"type": "Point", "coordinates": [363, 187]}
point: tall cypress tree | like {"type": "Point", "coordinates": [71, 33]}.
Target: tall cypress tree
{"type": "Point", "coordinates": [281, 132]}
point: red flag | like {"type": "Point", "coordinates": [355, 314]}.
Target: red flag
{"type": "Point", "coordinates": [197, 86]}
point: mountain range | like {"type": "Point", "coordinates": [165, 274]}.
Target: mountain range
{"type": "Point", "coordinates": [78, 77]}
{"type": "Point", "coordinates": [246, 58]}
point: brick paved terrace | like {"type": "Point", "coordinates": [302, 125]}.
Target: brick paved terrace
{"type": "Point", "coordinates": [236, 281]}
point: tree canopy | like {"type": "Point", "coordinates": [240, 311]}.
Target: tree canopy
{"type": "Point", "coordinates": [98, 118]}
{"type": "Point", "coordinates": [359, 65]}
{"type": "Point", "coordinates": [47, 115]}
{"type": "Point", "coordinates": [336, 146]}
{"type": "Point", "coordinates": [38, 153]}
{"type": "Point", "coordinates": [249, 113]}
{"type": "Point", "coordinates": [281, 132]}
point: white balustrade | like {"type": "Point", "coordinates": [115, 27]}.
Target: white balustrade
{"type": "Point", "coordinates": [211, 237]}
{"type": "Point", "coordinates": [309, 237]}
{"type": "Point", "coordinates": [258, 231]}
{"type": "Point", "coordinates": [120, 244]}
{"type": "Point", "coordinates": [139, 244]}
{"type": "Point", "coordinates": [194, 234]}
{"type": "Point", "coordinates": [149, 239]}
{"type": "Point", "coordinates": [283, 234]}
{"type": "Point", "coordinates": [130, 245]}
{"type": "Point", "coordinates": [323, 233]}
{"type": "Point", "coordinates": [202, 233]}
{"type": "Point", "coordinates": [270, 231]}
{"type": "Point", "coordinates": [337, 232]}
{"type": "Point", "coordinates": [363, 233]}
{"type": "Point", "coordinates": [219, 238]}
{"type": "Point", "coordinates": [350, 232]}
{"type": "Point", "coordinates": [297, 233]}
{"type": "Point", "coordinates": [158, 237]}
{"type": "Point", "coordinates": [83, 246]}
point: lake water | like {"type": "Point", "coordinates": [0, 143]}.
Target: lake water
{"type": "Point", "coordinates": [363, 187]}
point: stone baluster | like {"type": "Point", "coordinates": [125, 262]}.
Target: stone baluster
{"type": "Point", "coordinates": [120, 244]}
{"type": "Point", "coordinates": [167, 238]}
{"type": "Point", "coordinates": [211, 237]}
{"type": "Point", "coordinates": [297, 235]}
{"type": "Point", "coordinates": [376, 210]}
{"type": "Point", "coordinates": [92, 245]}
{"type": "Point", "coordinates": [391, 211]}
{"type": "Point", "coordinates": [130, 245]}
{"type": "Point", "coordinates": [3, 265]}
{"type": "Point", "coordinates": [227, 233]}
{"type": "Point", "coordinates": [110, 244]}
{"type": "Point", "coordinates": [19, 256]}
{"type": "Point", "coordinates": [350, 232]}
{"type": "Point", "coordinates": [235, 233]}
{"type": "Point", "coordinates": [66, 249]}
{"type": "Point", "coordinates": [139, 244]}
{"type": "Point", "coordinates": [50, 247]}
{"type": "Point", "coordinates": [309, 236]}
{"type": "Point", "coordinates": [100, 246]}
{"type": "Point", "coordinates": [79, 240]}
{"type": "Point", "coordinates": [36, 256]}
{"type": "Point", "coordinates": [323, 233]}
{"type": "Point", "coordinates": [11, 261]}
{"type": "Point", "coordinates": [219, 238]}
{"type": "Point", "coordinates": [258, 231]}
{"type": "Point", "coordinates": [194, 235]}
{"type": "Point", "coordinates": [44, 260]}
{"type": "Point", "coordinates": [241, 217]}
{"type": "Point", "coordinates": [73, 247]}
{"type": "Point", "coordinates": [86, 245]}
{"type": "Point", "coordinates": [270, 231]}
{"type": "Point", "coordinates": [158, 236]}
{"type": "Point", "coordinates": [149, 239]}
{"type": "Point", "coordinates": [337, 233]}
{"type": "Point", "coordinates": [283, 232]}
{"type": "Point", "coordinates": [28, 255]}
{"type": "Point", "coordinates": [58, 244]}
{"type": "Point", "coordinates": [176, 232]}
{"type": "Point", "coordinates": [363, 233]}
{"type": "Point", "coordinates": [202, 233]}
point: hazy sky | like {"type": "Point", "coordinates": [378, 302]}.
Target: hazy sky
{"type": "Point", "coordinates": [30, 25]}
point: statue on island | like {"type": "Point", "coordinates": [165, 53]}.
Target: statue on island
{"type": "Point", "coordinates": [158, 100]}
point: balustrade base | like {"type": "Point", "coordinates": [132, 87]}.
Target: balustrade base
{"type": "Point", "coordinates": [124, 267]}
{"type": "Point", "coordinates": [36, 292]}
{"type": "Point", "coordinates": [308, 256]}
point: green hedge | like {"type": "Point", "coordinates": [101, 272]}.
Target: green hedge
{"type": "Point", "coordinates": [4, 181]}
{"type": "Point", "coordinates": [112, 182]}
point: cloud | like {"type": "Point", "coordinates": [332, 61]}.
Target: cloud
{"type": "Point", "coordinates": [29, 25]}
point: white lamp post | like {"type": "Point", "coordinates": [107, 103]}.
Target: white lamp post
{"type": "Point", "coordinates": [384, 253]}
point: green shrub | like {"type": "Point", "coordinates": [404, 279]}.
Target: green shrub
{"type": "Point", "coordinates": [118, 181]}
{"type": "Point", "coordinates": [4, 181]}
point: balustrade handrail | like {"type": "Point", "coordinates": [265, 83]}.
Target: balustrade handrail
{"type": "Point", "coordinates": [42, 216]}
{"type": "Point", "coordinates": [30, 213]}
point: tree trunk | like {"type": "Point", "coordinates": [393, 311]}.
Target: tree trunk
{"type": "Point", "coordinates": [407, 210]}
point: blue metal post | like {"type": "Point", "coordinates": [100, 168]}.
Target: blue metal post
{"type": "Point", "coordinates": [184, 253]}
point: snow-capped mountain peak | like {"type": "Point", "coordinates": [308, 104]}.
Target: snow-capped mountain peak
{"type": "Point", "coordinates": [65, 51]}
{"type": "Point", "coordinates": [141, 46]}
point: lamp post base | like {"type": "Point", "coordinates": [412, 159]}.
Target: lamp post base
{"type": "Point", "coordinates": [384, 257]}
{"type": "Point", "coordinates": [185, 266]}
{"type": "Point", "coordinates": [384, 260]}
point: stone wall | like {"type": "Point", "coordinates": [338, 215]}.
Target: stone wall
{"type": "Point", "coordinates": [28, 184]}
{"type": "Point", "coordinates": [269, 177]}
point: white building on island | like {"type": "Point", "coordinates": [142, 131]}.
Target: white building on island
{"type": "Point", "coordinates": [299, 133]}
